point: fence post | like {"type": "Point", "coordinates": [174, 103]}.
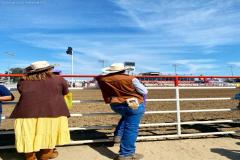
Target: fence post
{"type": "Point", "coordinates": [178, 106]}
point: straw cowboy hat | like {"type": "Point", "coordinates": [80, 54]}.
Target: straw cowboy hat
{"type": "Point", "coordinates": [38, 66]}
{"type": "Point", "coordinates": [114, 68]}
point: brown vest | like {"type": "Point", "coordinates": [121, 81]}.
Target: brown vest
{"type": "Point", "coordinates": [116, 88]}
{"type": "Point", "coordinates": [43, 98]}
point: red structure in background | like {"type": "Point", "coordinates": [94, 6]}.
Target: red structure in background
{"type": "Point", "coordinates": [159, 78]}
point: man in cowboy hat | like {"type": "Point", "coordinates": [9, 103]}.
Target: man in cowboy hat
{"type": "Point", "coordinates": [125, 95]}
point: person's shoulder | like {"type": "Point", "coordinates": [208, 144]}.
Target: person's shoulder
{"type": "Point", "coordinates": [100, 76]}
{"type": "Point", "coordinates": [59, 79]}
{"type": "Point", "coordinates": [21, 81]}
{"type": "Point", "coordinates": [2, 87]}
{"type": "Point", "coordinates": [54, 77]}
{"type": "Point", "coordinates": [128, 76]}
{"type": "Point", "coordinates": [131, 76]}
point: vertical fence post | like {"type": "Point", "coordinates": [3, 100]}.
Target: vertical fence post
{"type": "Point", "coordinates": [178, 106]}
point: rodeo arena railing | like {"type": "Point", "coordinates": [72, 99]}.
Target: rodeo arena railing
{"type": "Point", "coordinates": [176, 85]}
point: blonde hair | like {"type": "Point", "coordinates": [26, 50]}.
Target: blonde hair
{"type": "Point", "coordinates": [38, 76]}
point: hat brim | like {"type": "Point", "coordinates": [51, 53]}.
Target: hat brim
{"type": "Point", "coordinates": [107, 70]}
{"type": "Point", "coordinates": [27, 71]}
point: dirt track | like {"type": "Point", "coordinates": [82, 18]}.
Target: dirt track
{"type": "Point", "coordinates": [189, 149]}
{"type": "Point", "coordinates": [154, 106]}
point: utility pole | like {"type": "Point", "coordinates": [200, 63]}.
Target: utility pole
{"type": "Point", "coordinates": [102, 61]}
{"type": "Point", "coordinates": [231, 69]}
{"type": "Point", "coordinates": [11, 54]}
{"type": "Point", "coordinates": [175, 68]}
{"type": "Point", "coordinates": [70, 52]}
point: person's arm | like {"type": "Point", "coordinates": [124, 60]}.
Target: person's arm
{"type": "Point", "coordinates": [65, 90]}
{"type": "Point", "coordinates": [140, 88]}
{"type": "Point", "coordinates": [5, 94]}
{"type": "Point", "coordinates": [104, 94]}
{"type": "Point", "coordinates": [5, 98]}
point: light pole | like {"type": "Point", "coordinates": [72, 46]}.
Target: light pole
{"type": "Point", "coordinates": [102, 61]}
{"type": "Point", "coordinates": [11, 54]}
{"type": "Point", "coordinates": [175, 68]}
{"type": "Point", "coordinates": [231, 69]}
{"type": "Point", "coordinates": [70, 52]}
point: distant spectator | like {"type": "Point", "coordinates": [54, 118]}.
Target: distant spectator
{"type": "Point", "coordinates": [5, 95]}
{"type": "Point", "coordinates": [41, 113]}
{"type": "Point", "coordinates": [125, 94]}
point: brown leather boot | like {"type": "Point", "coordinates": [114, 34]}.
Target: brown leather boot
{"type": "Point", "coordinates": [30, 156]}
{"type": "Point", "coordinates": [46, 154]}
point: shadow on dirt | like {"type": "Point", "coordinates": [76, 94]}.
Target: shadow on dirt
{"type": "Point", "coordinates": [102, 147]}
{"type": "Point", "coordinates": [231, 154]}
{"type": "Point", "coordinates": [103, 150]}
{"type": "Point", "coordinates": [202, 127]}
{"type": "Point", "coordinates": [10, 154]}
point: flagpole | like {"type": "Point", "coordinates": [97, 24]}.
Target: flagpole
{"type": "Point", "coordinates": [69, 51]}
{"type": "Point", "coordinates": [72, 69]}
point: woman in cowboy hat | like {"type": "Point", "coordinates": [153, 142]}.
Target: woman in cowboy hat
{"type": "Point", "coordinates": [41, 113]}
{"type": "Point", "coordinates": [125, 94]}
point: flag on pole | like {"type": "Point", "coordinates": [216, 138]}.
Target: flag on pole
{"type": "Point", "coordinates": [69, 51]}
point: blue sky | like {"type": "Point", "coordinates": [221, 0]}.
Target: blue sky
{"type": "Point", "coordinates": [200, 36]}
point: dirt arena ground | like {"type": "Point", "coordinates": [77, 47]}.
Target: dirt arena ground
{"type": "Point", "coordinates": [151, 106]}
{"type": "Point", "coordinates": [92, 94]}
{"type": "Point", "coordinates": [185, 149]}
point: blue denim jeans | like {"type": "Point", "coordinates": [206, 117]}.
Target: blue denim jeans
{"type": "Point", "coordinates": [237, 96]}
{"type": "Point", "coordinates": [127, 128]}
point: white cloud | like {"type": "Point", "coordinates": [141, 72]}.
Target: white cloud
{"type": "Point", "coordinates": [197, 66]}
{"type": "Point", "coordinates": [89, 50]}
{"type": "Point", "coordinates": [236, 64]}
{"type": "Point", "coordinates": [204, 23]}
{"type": "Point", "coordinates": [5, 65]}
{"type": "Point", "coordinates": [163, 33]}
{"type": "Point", "coordinates": [188, 61]}
{"type": "Point", "coordinates": [201, 68]}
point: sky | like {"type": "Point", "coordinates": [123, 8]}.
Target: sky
{"type": "Point", "coordinates": [199, 37]}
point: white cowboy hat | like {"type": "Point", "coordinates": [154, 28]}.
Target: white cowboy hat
{"type": "Point", "coordinates": [38, 66]}
{"type": "Point", "coordinates": [114, 68]}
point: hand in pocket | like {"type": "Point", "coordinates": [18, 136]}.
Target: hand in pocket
{"type": "Point", "coordinates": [133, 103]}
